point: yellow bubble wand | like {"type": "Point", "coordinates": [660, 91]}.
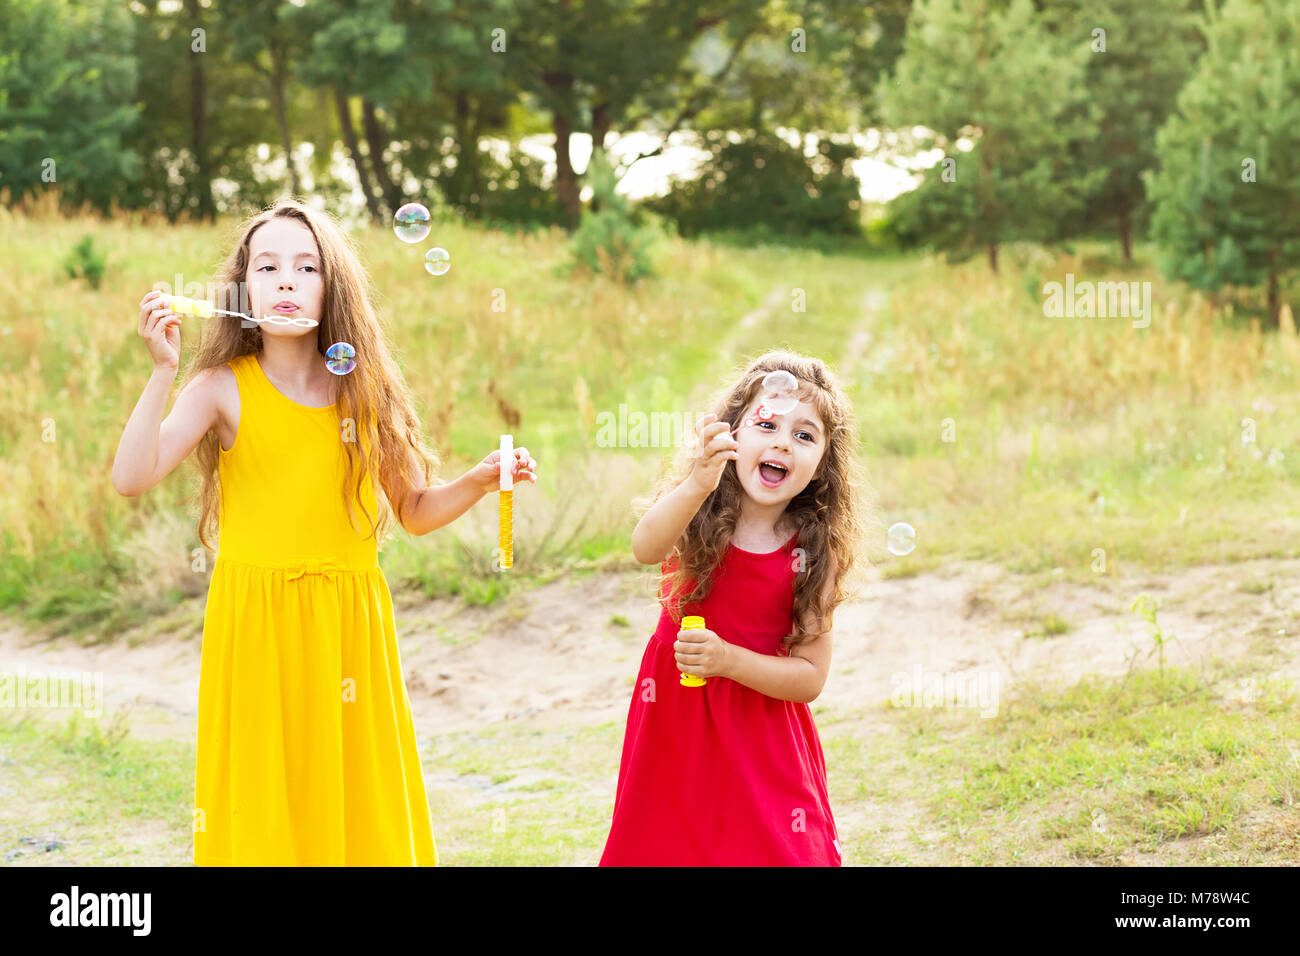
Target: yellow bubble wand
{"type": "Point", "coordinates": [507, 538]}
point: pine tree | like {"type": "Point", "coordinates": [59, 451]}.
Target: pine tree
{"type": "Point", "coordinates": [1141, 53]}
{"type": "Point", "coordinates": [1227, 191]}
{"type": "Point", "coordinates": [993, 74]}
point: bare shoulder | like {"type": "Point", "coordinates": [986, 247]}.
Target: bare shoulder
{"type": "Point", "coordinates": [221, 390]}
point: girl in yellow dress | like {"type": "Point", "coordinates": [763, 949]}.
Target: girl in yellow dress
{"type": "Point", "coordinates": [306, 752]}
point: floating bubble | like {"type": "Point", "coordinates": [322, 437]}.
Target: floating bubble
{"type": "Point", "coordinates": [902, 538]}
{"type": "Point", "coordinates": [340, 358]}
{"type": "Point", "coordinates": [779, 389]}
{"type": "Point", "coordinates": [779, 398]}
{"type": "Point", "coordinates": [437, 261]}
{"type": "Point", "coordinates": [411, 223]}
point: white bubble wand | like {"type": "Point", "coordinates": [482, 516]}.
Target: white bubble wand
{"type": "Point", "coordinates": [206, 309]}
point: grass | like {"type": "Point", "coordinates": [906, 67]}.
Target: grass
{"type": "Point", "coordinates": [1201, 767]}
{"type": "Point", "coordinates": [1049, 625]}
{"type": "Point", "coordinates": [998, 433]}
{"type": "Point", "coordinates": [91, 794]}
{"type": "Point", "coordinates": [1096, 772]}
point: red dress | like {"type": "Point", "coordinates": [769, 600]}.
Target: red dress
{"type": "Point", "coordinates": [722, 775]}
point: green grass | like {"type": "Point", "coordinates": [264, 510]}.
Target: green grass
{"type": "Point", "coordinates": [558, 814]}
{"type": "Point", "coordinates": [1093, 772]}
{"type": "Point", "coordinates": [1049, 625]}
{"type": "Point", "coordinates": [1096, 772]}
{"type": "Point", "coordinates": [104, 796]}
{"type": "Point", "coordinates": [1000, 434]}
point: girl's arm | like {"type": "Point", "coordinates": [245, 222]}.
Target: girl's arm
{"type": "Point", "coordinates": [429, 507]}
{"type": "Point", "coordinates": [147, 452]}
{"type": "Point", "coordinates": [661, 526]}
{"type": "Point", "coordinates": [799, 677]}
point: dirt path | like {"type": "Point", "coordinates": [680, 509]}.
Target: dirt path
{"type": "Point", "coordinates": [561, 653]}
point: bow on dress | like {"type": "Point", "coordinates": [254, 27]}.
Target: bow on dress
{"type": "Point", "coordinates": [300, 566]}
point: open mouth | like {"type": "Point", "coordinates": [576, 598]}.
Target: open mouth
{"type": "Point", "coordinates": [771, 474]}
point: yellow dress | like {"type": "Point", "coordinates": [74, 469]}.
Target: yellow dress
{"type": "Point", "coordinates": [306, 752]}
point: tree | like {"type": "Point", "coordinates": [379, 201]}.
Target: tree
{"type": "Point", "coordinates": [67, 85]}
{"type": "Point", "coordinates": [264, 38]}
{"type": "Point", "coordinates": [597, 64]}
{"type": "Point", "coordinates": [1142, 52]}
{"type": "Point", "coordinates": [1227, 190]}
{"type": "Point", "coordinates": [429, 83]}
{"type": "Point", "coordinates": [997, 78]}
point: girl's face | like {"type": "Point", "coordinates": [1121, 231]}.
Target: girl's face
{"type": "Point", "coordinates": [284, 276]}
{"type": "Point", "coordinates": [796, 440]}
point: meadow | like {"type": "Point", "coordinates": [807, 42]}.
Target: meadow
{"type": "Point", "coordinates": [1059, 449]}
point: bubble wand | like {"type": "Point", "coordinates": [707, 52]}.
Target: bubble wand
{"type": "Point", "coordinates": [507, 540]}
{"type": "Point", "coordinates": [206, 309]}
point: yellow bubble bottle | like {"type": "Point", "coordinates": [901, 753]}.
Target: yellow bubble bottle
{"type": "Point", "coordinates": [689, 623]}
{"type": "Point", "coordinates": [507, 536]}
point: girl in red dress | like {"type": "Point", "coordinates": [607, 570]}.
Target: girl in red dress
{"type": "Point", "coordinates": [755, 533]}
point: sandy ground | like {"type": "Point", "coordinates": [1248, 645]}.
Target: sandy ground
{"type": "Point", "coordinates": [561, 653]}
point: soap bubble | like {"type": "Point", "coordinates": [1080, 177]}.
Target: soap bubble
{"type": "Point", "coordinates": [340, 358]}
{"type": "Point", "coordinates": [779, 389]}
{"type": "Point", "coordinates": [902, 538]}
{"type": "Point", "coordinates": [437, 260]}
{"type": "Point", "coordinates": [411, 222]}
{"type": "Point", "coordinates": [779, 398]}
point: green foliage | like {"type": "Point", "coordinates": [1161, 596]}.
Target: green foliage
{"type": "Point", "coordinates": [510, 193]}
{"type": "Point", "coordinates": [763, 181]}
{"type": "Point", "coordinates": [1240, 112]}
{"type": "Point", "coordinates": [86, 261]}
{"type": "Point", "coordinates": [67, 89]}
{"type": "Point", "coordinates": [616, 240]}
{"type": "Point", "coordinates": [1147, 607]}
{"type": "Point", "coordinates": [1150, 47]}
{"type": "Point", "coordinates": [996, 78]}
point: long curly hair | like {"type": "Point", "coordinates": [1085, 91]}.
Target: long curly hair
{"type": "Point", "coordinates": [374, 396]}
{"type": "Point", "coordinates": [826, 513]}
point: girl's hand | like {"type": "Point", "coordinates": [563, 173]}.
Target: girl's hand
{"type": "Point", "coordinates": [717, 446]}
{"type": "Point", "coordinates": [701, 652]}
{"type": "Point", "coordinates": [160, 327]}
{"type": "Point", "coordinates": [487, 473]}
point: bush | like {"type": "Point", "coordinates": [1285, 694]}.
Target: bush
{"type": "Point", "coordinates": [616, 240]}
{"type": "Point", "coordinates": [87, 262]}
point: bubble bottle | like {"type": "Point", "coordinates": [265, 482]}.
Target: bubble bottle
{"type": "Point", "coordinates": [692, 622]}
{"type": "Point", "coordinates": [507, 539]}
